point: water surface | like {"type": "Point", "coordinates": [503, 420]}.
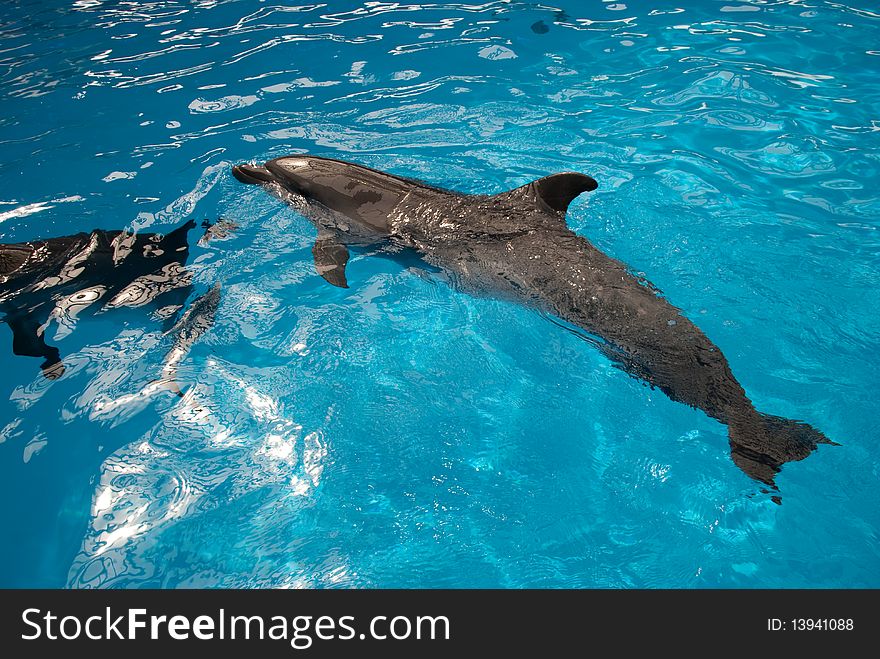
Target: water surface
{"type": "Point", "coordinates": [401, 433]}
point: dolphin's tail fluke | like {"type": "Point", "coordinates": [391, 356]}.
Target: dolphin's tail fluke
{"type": "Point", "coordinates": [760, 444]}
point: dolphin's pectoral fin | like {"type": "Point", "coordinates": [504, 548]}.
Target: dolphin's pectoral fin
{"type": "Point", "coordinates": [555, 192]}
{"type": "Point", "coordinates": [28, 341]}
{"type": "Point", "coordinates": [330, 259]}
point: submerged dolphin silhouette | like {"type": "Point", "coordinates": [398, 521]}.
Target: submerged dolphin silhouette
{"type": "Point", "coordinates": [196, 320]}
{"type": "Point", "coordinates": [59, 279]}
{"type": "Point", "coordinates": [516, 245]}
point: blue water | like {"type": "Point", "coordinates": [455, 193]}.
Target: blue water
{"type": "Point", "coordinates": [401, 433]}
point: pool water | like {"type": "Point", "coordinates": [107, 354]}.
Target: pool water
{"type": "Point", "coordinates": [401, 433]}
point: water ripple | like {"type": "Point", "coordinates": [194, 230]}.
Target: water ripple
{"type": "Point", "coordinates": [400, 433]}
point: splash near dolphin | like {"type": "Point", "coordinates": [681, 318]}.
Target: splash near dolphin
{"type": "Point", "coordinates": [516, 245]}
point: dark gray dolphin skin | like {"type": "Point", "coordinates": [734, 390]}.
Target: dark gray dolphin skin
{"type": "Point", "coordinates": [195, 321]}
{"type": "Point", "coordinates": [516, 245]}
{"type": "Point", "coordinates": [64, 278]}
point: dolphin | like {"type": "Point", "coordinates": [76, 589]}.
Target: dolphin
{"type": "Point", "coordinates": [60, 279]}
{"type": "Point", "coordinates": [192, 325]}
{"type": "Point", "coordinates": [515, 245]}
{"type": "Point", "coordinates": [196, 320]}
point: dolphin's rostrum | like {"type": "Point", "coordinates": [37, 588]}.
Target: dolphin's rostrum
{"type": "Point", "coordinates": [516, 245]}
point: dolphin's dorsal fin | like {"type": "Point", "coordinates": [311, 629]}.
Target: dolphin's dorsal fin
{"type": "Point", "coordinates": [330, 259]}
{"type": "Point", "coordinates": [555, 192]}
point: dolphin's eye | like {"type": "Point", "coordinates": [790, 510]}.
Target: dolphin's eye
{"type": "Point", "coordinates": [87, 295]}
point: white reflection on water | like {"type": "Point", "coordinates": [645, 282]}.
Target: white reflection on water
{"type": "Point", "coordinates": [224, 441]}
{"type": "Point", "coordinates": [37, 207]}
